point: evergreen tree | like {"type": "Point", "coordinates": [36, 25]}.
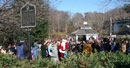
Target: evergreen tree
{"type": "Point", "coordinates": [10, 20]}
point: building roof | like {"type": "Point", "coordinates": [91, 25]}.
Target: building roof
{"type": "Point", "coordinates": [85, 26]}
{"type": "Point", "coordinates": [84, 31]}
{"type": "Point", "coordinates": [122, 21]}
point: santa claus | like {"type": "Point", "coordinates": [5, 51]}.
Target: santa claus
{"type": "Point", "coordinates": [63, 48]}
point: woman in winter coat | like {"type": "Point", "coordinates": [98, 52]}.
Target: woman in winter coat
{"type": "Point", "coordinates": [54, 53]}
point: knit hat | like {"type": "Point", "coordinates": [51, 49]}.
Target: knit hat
{"type": "Point", "coordinates": [22, 38]}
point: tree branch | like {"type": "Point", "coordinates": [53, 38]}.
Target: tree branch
{"type": "Point", "coordinates": [5, 3]}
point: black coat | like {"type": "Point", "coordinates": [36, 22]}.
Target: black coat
{"type": "Point", "coordinates": [27, 53]}
{"type": "Point", "coordinates": [43, 50]}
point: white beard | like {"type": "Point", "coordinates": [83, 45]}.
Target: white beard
{"type": "Point", "coordinates": [63, 44]}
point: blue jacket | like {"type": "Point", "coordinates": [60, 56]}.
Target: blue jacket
{"type": "Point", "coordinates": [20, 51]}
{"type": "Point", "coordinates": [33, 53]}
{"type": "Point", "coordinates": [50, 48]}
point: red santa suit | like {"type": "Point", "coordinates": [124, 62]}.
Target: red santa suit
{"type": "Point", "coordinates": [63, 48]}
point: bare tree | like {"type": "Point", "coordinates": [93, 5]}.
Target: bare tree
{"type": "Point", "coordinates": [59, 20]}
{"type": "Point", "coordinates": [77, 19]}
{"type": "Point", "coordinates": [95, 19]}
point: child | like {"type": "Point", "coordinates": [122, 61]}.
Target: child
{"type": "Point", "coordinates": [32, 52]}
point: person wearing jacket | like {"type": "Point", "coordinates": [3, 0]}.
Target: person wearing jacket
{"type": "Point", "coordinates": [63, 48]}
{"type": "Point", "coordinates": [87, 48]}
{"type": "Point", "coordinates": [44, 50]}
{"type": "Point", "coordinates": [54, 53]}
{"type": "Point", "coordinates": [37, 54]}
{"type": "Point", "coordinates": [124, 48]}
{"type": "Point", "coordinates": [20, 49]}
{"type": "Point", "coordinates": [32, 52]}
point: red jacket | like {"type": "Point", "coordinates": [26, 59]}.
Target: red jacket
{"type": "Point", "coordinates": [62, 48]}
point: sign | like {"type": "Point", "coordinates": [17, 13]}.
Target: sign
{"type": "Point", "coordinates": [28, 14]}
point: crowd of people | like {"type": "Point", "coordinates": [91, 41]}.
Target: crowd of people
{"type": "Point", "coordinates": [56, 50]}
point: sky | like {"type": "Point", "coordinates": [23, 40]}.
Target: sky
{"type": "Point", "coordinates": [82, 6]}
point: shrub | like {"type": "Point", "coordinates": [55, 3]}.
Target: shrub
{"type": "Point", "coordinates": [95, 60]}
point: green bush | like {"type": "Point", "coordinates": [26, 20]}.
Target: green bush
{"type": "Point", "coordinates": [95, 60]}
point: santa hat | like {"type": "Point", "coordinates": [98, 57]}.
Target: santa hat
{"type": "Point", "coordinates": [64, 40]}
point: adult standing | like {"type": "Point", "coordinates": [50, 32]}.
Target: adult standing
{"type": "Point", "coordinates": [13, 49]}
{"type": "Point", "coordinates": [44, 50]}
{"type": "Point", "coordinates": [127, 47]}
{"type": "Point", "coordinates": [63, 48]}
{"type": "Point", "coordinates": [54, 53]}
{"type": "Point", "coordinates": [20, 49]}
{"type": "Point", "coordinates": [124, 47]}
{"type": "Point", "coordinates": [50, 48]}
{"type": "Point", "coordinates": [117, 47]}
{"type": "Point", "coordinates": [58, 44]}
{"type": "Point", "coordinates": [26, 50]}
{"type": "Point", "coordinates": [87, 48]}
{"type": "Point", "coordinates": [36, 49]}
